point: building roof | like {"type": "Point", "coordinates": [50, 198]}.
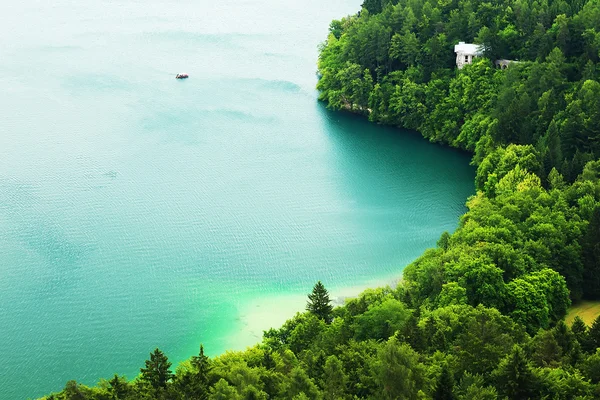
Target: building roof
{"type": "Point", "coordinates": [468, 48]}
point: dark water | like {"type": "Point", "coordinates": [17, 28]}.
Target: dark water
{"type": "Point", "coordinates": [139, 211]}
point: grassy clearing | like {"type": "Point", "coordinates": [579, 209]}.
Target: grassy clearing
{"type": "Point", "coordinates": [587, 310]}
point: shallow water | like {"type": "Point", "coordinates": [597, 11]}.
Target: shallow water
{"type": "Point", "coordinates": [139, 211]}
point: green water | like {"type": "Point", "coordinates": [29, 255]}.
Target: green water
{"type": "Point", "coordinates": [139, 211]}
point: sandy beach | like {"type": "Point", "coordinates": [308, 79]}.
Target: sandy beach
{"type": "Point", "coordinates": [261, 314]}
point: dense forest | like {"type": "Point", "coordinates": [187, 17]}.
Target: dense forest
{"type": "Point", "coordinates": [481, 316]}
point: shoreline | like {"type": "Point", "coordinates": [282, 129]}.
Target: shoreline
{"type": "Point", "coordinates": [266, 312]}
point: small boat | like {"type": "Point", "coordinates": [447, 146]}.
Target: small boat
{"type": "Point", "coordinates": [182, 76]}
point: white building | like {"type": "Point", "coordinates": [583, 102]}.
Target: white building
{"type": "Point", "coordinates": [465, 52]}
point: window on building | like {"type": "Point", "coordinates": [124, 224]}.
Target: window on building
{"type": "Point", "coordinates": [466, 59]}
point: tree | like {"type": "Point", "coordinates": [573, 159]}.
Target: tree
{"type": "Point", "coordinates": [319, 303]}
{"type": "Point", "coordinates": [193, 383]}
{"type": "Point", "coordinates": [223, 391]}
{"type": "Point", "coordinates": [268, 361]}
{"type": "Point", "coordinates": [527, 304]}
{"type": "Point", "coordinates": [545, 350]}
{"type": "Point", "coordinates": [514, 376]}
{"type": "Point", "coordinates": [250, 392]}
{"type": "Point", "coordinates": [564, 337]}
{"type": "Point", "coordinates": [444, 241]}
{"type": "Point", "coordinates": [334, 379]}
{"type": "Point", "coordinates": [591, 367]}
{"type": "Point", "coordinates": [73, 391]}
{"type": "Point", "coordinates": [472, 387]}
{"type": "Point", "coordinates": [444, 387]}
{"type": "Point", "coordinates": [590, 245]}
{"type": "Point", "coordinates": [300, 382]}
{"type": "Point", "coordinates": [593, 337]}
{"type": "Point", "coordinates": [579, 329]}
{"type": "Point", "coordinates": [401, 375]}
{"type": "Point", "coordinates": [157, 372]}
{"type": "Point", "coordinates": [381, 321]}
{"type": "Point", "coordinates": [119, 388]}
{"type": "Point", "coordinates": [202, 365]}
{"type": "Point", "coordinates": [486, 336]}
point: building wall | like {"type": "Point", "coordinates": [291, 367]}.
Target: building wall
{"type": "Point", "coordinates": [463, 58]}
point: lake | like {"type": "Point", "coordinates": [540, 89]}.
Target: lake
{"type": "Point", "coordinates": [138, 211]}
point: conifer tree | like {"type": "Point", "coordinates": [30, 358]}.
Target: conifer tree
{"type": "Point", "coordinates": [319, 303]}
{"type": "Point", "coordinates": [514, 376]}
{"type": "Point", "coordinates": [118, 387]}
{"type": "Point", "coordinates": [590, 245]}
{"type": "Point", "coordinates": [157, 372]}
{"type": "Point", "coordinates": [593, 337]}
{"type": "Point", "coordinates": [445, 385]}
{"type": "Point", "coordinates": [575, 356]}
{"type": "Point", "coordinates": [564, 337]}
{"type": "Point", "coordinates": [194, 384]}
{"type": "Point", "coordinates": [579, 329]}
{"type": "Point", "coordinates": [202, 365]}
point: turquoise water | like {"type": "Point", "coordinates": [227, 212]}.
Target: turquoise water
{"type": "Point", "coordinates": [139, 211]}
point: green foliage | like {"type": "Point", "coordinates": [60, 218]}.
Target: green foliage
{"type": "Point", "coordinates": [300, 383]}
{"type": "Point", "coordinates": [334, 379]}
{"type": "Point", "coordinates": [223, 391]}
{"type": "Point", "coordinates": [473, 387]}
{"type": "Point", "coordinates": [590, 245]}
{"type": "Point", "coordinates": [515, 377]}
{"type": "Point", "coordinates": [579, 329]}
{"type": "Point", "coordinates": [381, 321]}
{"type": "Point", "coordinates": [444, 389]}
{"type": "Point", "coordinates": [319, 303]}
{"type": "Point", "coordinates": [119, 388]}
{"type": "Point", "coordinates": [157, 373]}
{"type": "Point", "coordinates": [592, 341]}
{"type": "Point", "coordinates": [400, 374]}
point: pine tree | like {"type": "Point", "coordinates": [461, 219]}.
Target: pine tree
{"type": "Point", "coordinates": [514, 376]}
{"type": "Point", "coordinates": [579, 329]}
{"type": "Point", "coordinates": [157, 372]}
{"type": "Point", "coordinates": [445, 385]}
{"type": "Point", "coordinates": [564, 337]}
{"type": "Point", "coordinates": [593, 337]}
{"type": "Point", "coordinates": [590, 246]}
{"type": "Point", "coordinates": [202, 365]}
{"type": "Point", "coordinates": [194, 384]}
{"type": "Point", "coordinates": [545, 350]}
{"type": "Point", "coordinates": [319, 303]}
{"type": "Point", "coordinates": [575, 356]}
{"type": "Point", "coordinates": [118, 387]}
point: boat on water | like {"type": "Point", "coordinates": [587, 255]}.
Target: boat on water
{"type": "Point", "coordinates": [182, 76]}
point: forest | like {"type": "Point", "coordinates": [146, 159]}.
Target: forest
{"type": "Point", "coordinates": [482, 315]}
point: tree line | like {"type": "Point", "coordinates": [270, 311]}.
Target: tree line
{"type": "Point", "coordinates": [378, 346]}
{"type": "Point", "coordinates": [481, 315]}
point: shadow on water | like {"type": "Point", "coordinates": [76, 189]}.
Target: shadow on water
{"type": "Point", "coordinates": [396, 164]}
